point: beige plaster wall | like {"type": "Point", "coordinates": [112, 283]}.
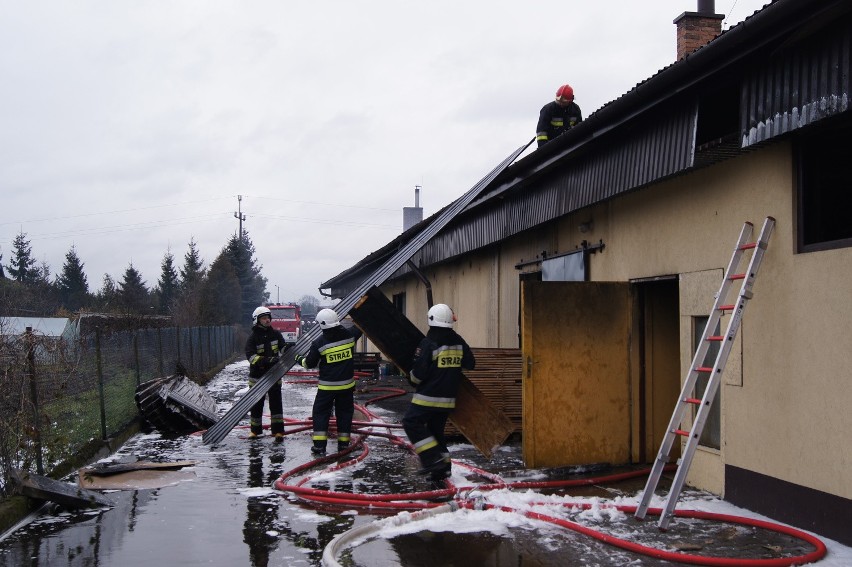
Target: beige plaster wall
{"type": "Point", "coordinates": [785, 411]}
{"type": "Point", "coordinates": [785, 405]}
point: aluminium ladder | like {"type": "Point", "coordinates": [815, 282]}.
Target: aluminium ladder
{"type": "Point", "coordinates": [688, 397]}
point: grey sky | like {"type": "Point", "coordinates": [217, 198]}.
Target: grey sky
{"type": "Point", "coordinates": [129, 128]}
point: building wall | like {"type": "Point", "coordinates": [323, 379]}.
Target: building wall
{"type": "Point", "coordinates": [786, 391]}
{"type": "Point", "coordinates": [784, 394]}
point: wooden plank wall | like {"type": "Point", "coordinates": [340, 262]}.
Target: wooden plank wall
{"type": "Point", "coordinates": [498, 377]}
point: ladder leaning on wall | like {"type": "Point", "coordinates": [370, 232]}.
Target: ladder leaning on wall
{"type": "Point", "coordinates": [688, 396]}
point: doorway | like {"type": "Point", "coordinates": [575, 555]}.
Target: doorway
{"type": "Point", "coordinates": [655, 361]}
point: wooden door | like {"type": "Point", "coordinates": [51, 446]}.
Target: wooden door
{"type": "Point", "coordinates": [576, 377]}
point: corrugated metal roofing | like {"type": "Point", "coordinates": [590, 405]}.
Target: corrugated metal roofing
{"type": "Point", "coordinates": [803, 84]}
{"type": "Point", "coordinates": [652, 150]}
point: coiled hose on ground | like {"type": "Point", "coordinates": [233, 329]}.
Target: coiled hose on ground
{"type": "Point", "coordinates": [433, 502]}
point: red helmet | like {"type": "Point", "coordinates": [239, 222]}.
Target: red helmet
{"type": "Point", "coordinates": [565, 92]}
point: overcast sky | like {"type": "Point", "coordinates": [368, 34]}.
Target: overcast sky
{"type": "Point", "coordinates": [128, 128]}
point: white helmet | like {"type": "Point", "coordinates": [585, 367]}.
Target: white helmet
{"type": "Point", "coordinates": [441, 315]}
{"type": "Point", "coordinates": [327, 318]}
{"type": "Point", "coordinates": [260, 311]}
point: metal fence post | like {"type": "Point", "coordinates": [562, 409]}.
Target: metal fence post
{"type": "Point", "coordinates": [136, 357]}
{"type": "Point", "coordinates": [200, 362]}
{"type": "Point", "coordinates": [191, 350]}
{"type": "Point", "coordinates": [100, 382]}
{"type": "Point", "coordinates": [210, 362]}
{"type": "Point", "coordinates": [177, 341]}
{"type": "Point", "coordinates": [160, 351]}
{"type": "Point", "coordinates": [31, 375]}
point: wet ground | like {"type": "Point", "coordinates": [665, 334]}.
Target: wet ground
{"type": "Point", "coordinates": [228, 513]}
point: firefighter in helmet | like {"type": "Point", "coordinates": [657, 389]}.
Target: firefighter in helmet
{"type": "Point", "coordinates": [262, 349]}
{"type": "Point", "coordinates": [436, 373]}
{"type": "Point", "coordinates": [558, 116]}
{"type": "Point", "coordinates": [333, 353]}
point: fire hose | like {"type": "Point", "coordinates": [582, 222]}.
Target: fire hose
{"type": "Point", "coordinates": [426, 504]}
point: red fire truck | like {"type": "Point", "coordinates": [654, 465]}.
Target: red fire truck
{"type": "Point", "coordinates": [287, 318]}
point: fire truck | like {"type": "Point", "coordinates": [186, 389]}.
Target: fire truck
{"type": "Point", "coordinates": [287, 318]}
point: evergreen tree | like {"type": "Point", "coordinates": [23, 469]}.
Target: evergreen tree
{"type": "Point", "coordinates": [2, 275]}
{"type": "Point", "coordinates": [193, 268]}
{"type": "Point", "coordinates": [240, 252]}
{"type": "Point", "coordinates": [219, 294]}
{"type": "Point", "coordinates": [168, 285]}
{"type": "Point", "coordinates": [43, 274]}
{"type": "Point", "coordinates": [132, 293]}
{"type": "Point", "coordinates": [185, 305]}
{"type": "Point", "coordinates": [108, 294]}
{"type": "Point", "coordinates": [22, 268]}
{"type": "Point", "coordinates": [72, 283]}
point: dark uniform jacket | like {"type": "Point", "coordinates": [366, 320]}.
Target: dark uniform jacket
{"type": "Point", "coordinates": [555, 119]}
{"type": "Point", "coordinates": [333, 353]}
{"type": "Point", "coordinates": [437, 368]}
{"type": "Point", "coordinates": [262, 348]}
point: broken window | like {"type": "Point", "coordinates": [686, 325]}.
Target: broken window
{"type": "Point", "coordinates": [399, 302]}
{"type": "Point", "coordinates": [824, 182]}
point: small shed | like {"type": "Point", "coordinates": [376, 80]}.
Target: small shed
{"type": "Point", "coordinates": [50, 330]}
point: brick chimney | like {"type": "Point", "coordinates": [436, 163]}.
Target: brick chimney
{"type": "Point", "coordinates": [695, 29]}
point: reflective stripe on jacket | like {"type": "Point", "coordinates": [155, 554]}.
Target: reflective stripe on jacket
{"type": "Point", "coordinates": [262, 343]}
{"type": "Point", "coordinates": [437, 368]}
{"type": "Point", "coordinates": [333, 353]}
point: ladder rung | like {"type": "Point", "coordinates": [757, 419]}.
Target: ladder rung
{"type": "Point", "coordinates": [695, 401]}
{"type": "Point", "coordinates": [704, 369]}
{"type": "Point", "coordinates": [716, 338]}
{"type": "Point", "coordinates": [736, 277]}
{"type": "Point", "coordinates": [681, 432]}
{"type": "Point", "coordinates": [748, 246]}
{"type": "Point", "coordinates": [727, 307]}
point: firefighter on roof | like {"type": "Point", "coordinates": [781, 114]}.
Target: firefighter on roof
{"type": "Point", "coordinates": [558, 116]}
{"type": "Point", "coordinates": [262, 348]}
{"type": "Point", "coordinates": [333, 353]}
{"type": "Point", "coordinates": [436, 373]}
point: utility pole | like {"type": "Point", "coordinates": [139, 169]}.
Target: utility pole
{"type": "Point", "coordinates": [240, 215]}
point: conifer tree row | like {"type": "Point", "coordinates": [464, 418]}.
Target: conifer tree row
{"type": "Point", "coordinates": [223, 294]}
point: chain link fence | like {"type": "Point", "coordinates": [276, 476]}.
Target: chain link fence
{"type": "Point", "coordinates": [58, 395]}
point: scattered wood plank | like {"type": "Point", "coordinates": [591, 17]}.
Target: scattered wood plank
{"type": "Point", "coordinates": [498, 377]}
{"type": "Point", "coordinates": [106, 469]}
{"type": "Point", "coordinates": [396, 337]}
{"type": "Point", "coordinates": [63, 493]}
{"type": "Point", "coordinates": [134, 480]}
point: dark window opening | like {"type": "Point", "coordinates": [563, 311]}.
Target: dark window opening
{"type": "Point", "coordinates": [824, 179]}
{"type": "Point", "coordinates": [711, 436]}
{"type": "Point", "coordinates": [718, 115]}
{"type": "Point", "coordinates": [399, 302]}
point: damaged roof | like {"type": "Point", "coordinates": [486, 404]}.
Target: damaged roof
{"type": "Point", "coordinates": [781, 69]}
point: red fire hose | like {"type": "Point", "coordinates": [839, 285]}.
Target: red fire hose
{"type": "Point", "coordinates": [435, 499]}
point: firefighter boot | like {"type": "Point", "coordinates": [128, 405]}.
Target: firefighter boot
{"type": "Point", "coordinates": [318, 449]}
{"type": "Point", "coordinates": [342, 446]}
{"type": "Point", "coordinates": [441, 474]}
{"type": "Point", "coordinates": [436, 466]}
